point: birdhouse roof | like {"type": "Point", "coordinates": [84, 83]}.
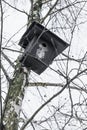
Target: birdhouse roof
{"type": "Point", "coordinates": [36, 29]}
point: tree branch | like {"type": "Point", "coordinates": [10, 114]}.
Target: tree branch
{"type": "Point", "coordinates": [5, 73]}
{"type": "Point", "coordinates": [41, 84]}
{"type": "Point", "coordinates": [1, 34]}
{"type": "Point", "coordinates": [15, 8]}
{"type": "Point", "coordinates": [50, 99]}
{"type": "Point", "coordinates": [8, 60]}
{"type": "Point", "coordinates": [49, 11]}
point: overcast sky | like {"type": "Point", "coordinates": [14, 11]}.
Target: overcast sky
{"type": "Point", "coordinates": [14, 21]}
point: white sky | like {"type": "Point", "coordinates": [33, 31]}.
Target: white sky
{"type": "Point", "coordinates": [12, 23]}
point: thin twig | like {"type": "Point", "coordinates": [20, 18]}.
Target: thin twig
{"type": "Point", "coordinates": [15, 7]}
{"type": "Point", "coordinates": [4, 48]}
{"type": "Point", "coordinates": [11, 63]}
{"type": "Point", "coordinates": [1, 120]}
{"type": "Point", "coordinates": [50, 99]}
{"type": "Point", "coordinates": [5, 73]}
{"type": "Point", "coordinates": [49, 11]}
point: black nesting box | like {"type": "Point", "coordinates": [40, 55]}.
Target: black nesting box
{"type": "Point", "coordinates": [41, 47]}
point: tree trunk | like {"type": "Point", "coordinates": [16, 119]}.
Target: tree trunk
{"type": "Point", "coordinates": [13, 102]}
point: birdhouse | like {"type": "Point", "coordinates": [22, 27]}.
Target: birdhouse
{"type": "Point", "coordinates": [41, 47]}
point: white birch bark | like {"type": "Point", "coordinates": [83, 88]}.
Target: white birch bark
{"type": "Point", "coordinates": [13, 103]}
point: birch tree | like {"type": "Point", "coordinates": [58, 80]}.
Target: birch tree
{"type": "Point", "coordinates": [60, 101]}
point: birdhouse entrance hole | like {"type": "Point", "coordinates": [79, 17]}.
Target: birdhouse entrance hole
{"type": "Point", "coordinates": [44, 45]}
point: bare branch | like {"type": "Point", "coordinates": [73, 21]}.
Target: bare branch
{"type": "Point", "coordinates": [14, 34]}
{"type": "Point", "coordinates": [4, 48]}
{"type": "Point", "coordinates": [41, 84]}
{"type": "Point", "coordinates": [5, 73]}
{"type": "Point", "coordinates": [49, 11]}
{"type": "Point", "coordinates": [50, 99]}
{"type": "Point", "coordinates": [15, 7]}
{"type": "Point", "coordinates": [8, 60]}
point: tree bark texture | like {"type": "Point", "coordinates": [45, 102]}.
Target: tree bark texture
{"type": "Point", "coordinates": [13, 102]}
